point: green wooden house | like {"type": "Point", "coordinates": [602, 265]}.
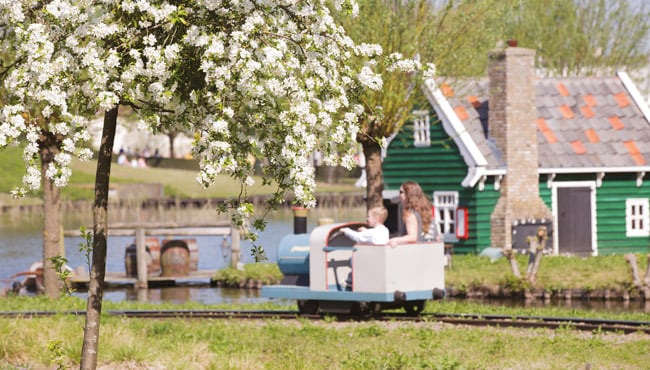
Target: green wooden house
{"type": "Point", "coordinates": [515, 150]}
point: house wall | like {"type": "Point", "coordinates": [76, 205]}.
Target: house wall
{"type": "Point", "coordinates": [440, 167]}
{"type": "Point", "coordinates": [610, 203]}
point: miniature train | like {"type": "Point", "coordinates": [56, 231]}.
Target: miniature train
{"type": "Point", "coordinates": [326, 273]}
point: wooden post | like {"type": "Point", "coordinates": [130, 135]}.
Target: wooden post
{"type": "Point", "coordinates": [234, 246]}
{"type": "Point", "coordinates": [512, 258]}
{"type": "Point", "coordinates": [141, 256]}
{"type": "Point", "coordinates": [646, 279]}
{"type": "Point", "coordinates": [631, 260]}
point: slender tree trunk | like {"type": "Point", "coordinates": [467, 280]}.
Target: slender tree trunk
{"type": "Point", "coordinates": [374, 173]}
{"type": "Point", "coordinates": [171, 136]}
{"type": "Point", "coordinates": [51, 217]}
{"type": "Point", "coordinates": [100, 233]}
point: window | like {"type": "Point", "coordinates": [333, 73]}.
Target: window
{"type": "Point", "coordinates": [421, 133]}
{"type": "Point", "coordinates": [637, 217]}
{"type": "Point", "coordinates": [445, 204]}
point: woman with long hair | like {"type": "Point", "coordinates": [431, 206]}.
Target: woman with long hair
{"type": "Point", "coordinates": [417, 225]}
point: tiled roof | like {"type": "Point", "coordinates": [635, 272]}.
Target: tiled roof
{"type": "Point", "coordinates": [581, 122]}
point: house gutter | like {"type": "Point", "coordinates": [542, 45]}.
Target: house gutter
{"type": "Point", "coordinates": [474, 159]}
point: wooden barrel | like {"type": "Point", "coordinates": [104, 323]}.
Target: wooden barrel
{"type": "Point", "coordinates": [131, 260]}
{"type": "Point", "coordinates": [194, 252]}
{"type": "Point", "coordinates": [175, 258]}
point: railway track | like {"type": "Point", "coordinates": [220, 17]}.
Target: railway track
{"type": "Point", "coordinates": [584, 324]}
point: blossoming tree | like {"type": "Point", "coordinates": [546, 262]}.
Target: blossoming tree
{"type": "Point", "coordinates": [270, 78]}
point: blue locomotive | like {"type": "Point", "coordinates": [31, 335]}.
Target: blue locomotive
{"type": "Point", "coordinates": [326, 272]}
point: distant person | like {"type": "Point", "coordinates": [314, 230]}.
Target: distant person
{"type": "Point", "coordinates": [417, 224]}
{"type": "Point", "coordinates": [141, 162]}
{"type": "Point", "coordinates": [376, 233]}
{"type": "Point", "coordinates": [122, 158]}
{"type": "Point", "coordinates": [156, 158]}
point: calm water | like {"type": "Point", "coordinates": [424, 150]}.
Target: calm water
{"type": "Point", "coordinates": [21, 245]}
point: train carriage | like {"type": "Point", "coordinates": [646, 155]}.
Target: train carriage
{"type": "Point", "coordinates": [326, 272]}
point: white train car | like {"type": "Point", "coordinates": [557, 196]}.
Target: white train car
{"type": "Point", "coordinates": [326, 272]}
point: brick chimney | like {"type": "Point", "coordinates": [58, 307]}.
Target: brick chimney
{"type": "Point", "coordinates": [512, 115]}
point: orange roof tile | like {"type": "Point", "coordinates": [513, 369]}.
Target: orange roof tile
{"type": "Point", "coordinates": [566, 111]}
{"type": "Point", "coordinates": [590, 100]}
{"type": "Point", "coordinates": [548, 134]}
{"type": "Point", "coordinates": [616, 122]}
{"type": "Point", "coordinates": [562, 89]}
{"type": "Point", "coordinates": [592, 135]}
{"type": "Point", "coordinates": [461, 113]}
{"type": "Point", "coordinates": [447, 91]}
{"type": "Point", "coordinates": [622, 100]}
{"type": "Point", "coordinates": [587, 112]}
{"type": "Point", "coordinates": [474, 101]}
{"type": "Point", "coordinates": [578, 147]}
{"type": "Point", "coordinates": [634, 152]}
{"type": "Point", "coordinates": [541, 124]}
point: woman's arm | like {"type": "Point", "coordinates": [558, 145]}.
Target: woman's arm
{"type": "Point", "coordinates": [411, 235]}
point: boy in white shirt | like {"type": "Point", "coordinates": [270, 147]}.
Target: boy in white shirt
{"type": "Point", "coordinates": [376, 233]}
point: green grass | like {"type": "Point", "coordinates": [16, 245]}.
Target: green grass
{"type": "Point", "coordinates": [301, 344]}
{"type": "Point", "coordinates": [177, 176]}
{"type": "Point", "coordinates": [555, 272]}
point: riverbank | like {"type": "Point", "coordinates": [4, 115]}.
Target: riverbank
{"type": "Point", "coordinates": [560, 278]}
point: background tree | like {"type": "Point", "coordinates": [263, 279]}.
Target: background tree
{"type": "Point", "coordinates": [589, 37]}
{"type": "Point", "coordinates": [37, 109]}
{"type": "Point", "coordinates": [448, 34]}
{"type": "Point", "coordinates": [273, 79]}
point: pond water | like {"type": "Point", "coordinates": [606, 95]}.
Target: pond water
{"type": "Point", "coordinates": [21, 244]}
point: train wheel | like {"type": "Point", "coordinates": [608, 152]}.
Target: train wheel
{"type": "Point", "coordinates": [307, 307]}
{"type": "Point", "coordinates": [414, 307]}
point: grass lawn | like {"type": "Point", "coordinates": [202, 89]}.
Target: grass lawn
{"type": "Point", "coordinates": [175, 181]}
{"type": "Point", "coordinates": [273, 344]}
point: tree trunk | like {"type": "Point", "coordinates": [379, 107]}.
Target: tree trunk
{"type": "Point", "coordinates": [171, 136]}
{"type": "Point", "coordinates": [631, 260]}
{"type": "Point", "coordinates": [51, 217]}
{"type": "Point", "coordinates": [100, 232]}
{"type": "Point", "coordinates": [374, 174]}
{"type": "Point", "coordinates": [512, 258]}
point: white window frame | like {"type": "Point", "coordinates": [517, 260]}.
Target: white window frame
{"type": "Point", "coordinates": [421, 132]}
{"type": "Point", "coordinates": [637, 217]}
{"type": "Point", "coordinates": [446, 204]}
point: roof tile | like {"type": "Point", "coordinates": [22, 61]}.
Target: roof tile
{"type": "Point", "coordinates": [586, 128]}
{"type": "Point", "coordinates": [566, 111]}
{"type": "Point", "coordinates": [447, 91]}
{"type": "Point", "coordinates": [578, 147]}
{"type": "Point", "coordinates": [587, 112]}
{"type": "Point", "coordinates": [622, 100]}
{"type": "Point", "coordinates": [616, 123]}
{"type": "Point", "coordinates": [634, 152]}
{"type": "Point", "coordinates": [592, 135]}
{"type": "Point", "coordinates": [590, 100]}
{"type": "Point", "coordinates": [461, 113]}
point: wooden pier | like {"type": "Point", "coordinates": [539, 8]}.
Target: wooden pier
{"type": "Point", "coordinates": [165, 229]}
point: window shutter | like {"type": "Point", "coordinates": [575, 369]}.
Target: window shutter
{"type": "Point", "coordinates": [462, 216]}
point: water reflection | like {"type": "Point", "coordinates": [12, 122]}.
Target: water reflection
{"type": "Point", "coordinates": [618, 306]}
{"type": "Point", "coordinates": [182, 294]}
{"type": "Point", "coordinates": [213, 295]}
